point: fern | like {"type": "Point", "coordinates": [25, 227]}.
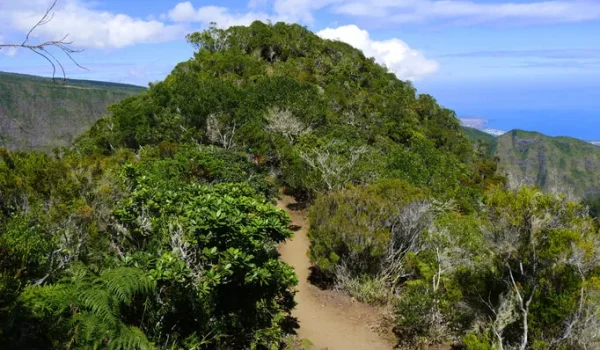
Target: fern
{"type": "Point", "coordinates": [130, 338]}
{"type": "Point", "coordinates": [48, 300]}
{"type": "Point", "coordinates": [124, 283]}
{"type": "Point", "coordinates": [100, 303]}
{"type": "Point", "coordinates": [94, 303]}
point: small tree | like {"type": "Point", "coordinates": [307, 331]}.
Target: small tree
{"type": "Point", "coordinates": [282, 121]}
{"type": "Point", "coordinates": [217, 131]}
{"type": "Point", "coordinates": [540, 242]}
{"type": "Point", "coordinates": [335, 169]}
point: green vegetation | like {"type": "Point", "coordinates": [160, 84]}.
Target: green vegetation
{"type": "Point", "coordinates": [318, 112]}
{"type": "Point", "coordinates": [476, 135]}
{"type": "Point", "coordinates": [39, 114]}
{"type": "Point", "coordinates": [152, 249]}
{"type": "Point", "coordinates": [520, 273]}
{"type": "Point", "coordinates": [554, 164]}
{"type": "Point", "coordinates": [156, 229]}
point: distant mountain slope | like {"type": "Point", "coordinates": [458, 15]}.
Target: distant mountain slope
{"type": "Point", "coordinates": [478, 135]}
{"type": "Point", "coordinates": [39, 114]}
{"type": "Point", "coordinates": [554, 164]}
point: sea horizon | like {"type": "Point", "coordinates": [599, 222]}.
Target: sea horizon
{"type": "Point", "coordinates": [580, 124]}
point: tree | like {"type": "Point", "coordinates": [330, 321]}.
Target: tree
{"type": "Point", "coordinates": [282, 121]}
{"type": "Point", "coordinates": [44, 49]}
{"type": "Point", "coordinates": [334, 168]}
{"type": "Point", "coordinates": [220, 132]}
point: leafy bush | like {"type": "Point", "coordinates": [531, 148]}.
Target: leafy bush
{"type": "Point", "coordinates": [212, 251]}
{"type": "Point", "coordinates": [522, 270]}
{"type": "Point", "coordinates": [356, 231]}
{"type": "Point", "coordinates": [134, 251]}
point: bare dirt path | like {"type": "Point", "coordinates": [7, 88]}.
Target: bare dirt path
{"type": "Point", "coordinates": [329, 319]}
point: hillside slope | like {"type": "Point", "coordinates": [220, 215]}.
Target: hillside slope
{"type": "Point", "coordinates": [157, 229]}
{"type": "Point", "coordinates": [553, 164]}
{"type": "Point", "coordinates": [39, 114]}
{"type": "Point", "coordinates": [477, 135]}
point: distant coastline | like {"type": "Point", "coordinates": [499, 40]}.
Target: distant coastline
{"type": "Point", "coordinates": [481, 125]}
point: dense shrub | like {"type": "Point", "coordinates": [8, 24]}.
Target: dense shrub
{"type": "Point", "coordinates": [522, 272]}
{"type": "Point", "coordinates": [356, 232]}
{"type": "Point", "coordinates": [148, 250]}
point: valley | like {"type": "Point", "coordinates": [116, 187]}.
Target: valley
{"type": "Point", "coordinates": [40, 114]}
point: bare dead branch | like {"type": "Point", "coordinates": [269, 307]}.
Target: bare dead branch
{"type": "Point", "coordinates": [45, 19]}
{"type": "Point", "coordinates": [42, 49]}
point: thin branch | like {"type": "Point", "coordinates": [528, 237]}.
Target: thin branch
{"type": "Point", "coordinates": [41, 49]}
{"type": "Point", "coordinates": [45, 19]}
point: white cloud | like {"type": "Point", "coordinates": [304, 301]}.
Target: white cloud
{"type": "Point", "coordinates": [185, 12]}
{"type": "Point", "coordinates": [395, 54]}
{"type": "Point", "coordinates": [275, 10]}
{"type": "Point", "coordinates": [86, 26]}
{"type": "Point", "coordinates": [468, 12]}
{"type": "Point", "coordinates": [7, 51]}
{"type": "Point", "coordinates": [399, 11]}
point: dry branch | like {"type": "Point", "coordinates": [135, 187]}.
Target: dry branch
{"type": "Point", "coordinates": [42, 49]}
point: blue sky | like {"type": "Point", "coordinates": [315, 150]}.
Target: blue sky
{"type": "Point", "coordinates": [484, 59]}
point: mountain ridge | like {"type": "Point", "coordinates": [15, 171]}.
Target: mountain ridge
{"type": "Point", "coordinates": [69, 82]}
{"type": "Point", "coordinates": [555, 164]}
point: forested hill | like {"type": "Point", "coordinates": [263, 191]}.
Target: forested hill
{"type": "Point", "coordinates": [37, 113]}
{"type": "Point", "coordinates": [553, 164]}
{"type": "Point", "coordinates": [318, 111]}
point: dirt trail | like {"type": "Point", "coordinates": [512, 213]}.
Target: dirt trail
{"type": "Point", "coordinates": [330, 320]}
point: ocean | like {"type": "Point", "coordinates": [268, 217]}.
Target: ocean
{"type": "Point", "coordinates": [581, 124]}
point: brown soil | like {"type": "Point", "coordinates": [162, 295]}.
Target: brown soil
{"type": "Point", "coordinates": [329, 319]}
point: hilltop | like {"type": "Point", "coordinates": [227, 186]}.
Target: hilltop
{"type": "Point", "coordinates": [554, 164]}
{"type": "Point", "coordinates": [37, 113]}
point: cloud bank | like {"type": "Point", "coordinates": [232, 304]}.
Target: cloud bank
{"type": "Point", "coordinates": [92, 28]}
{"type": "Point", "coordinates": [457, 12]}
{"type": "Point", "coordinates": [395, 54]}
{"type": "Point", "coordinates": [184, 12]}
{"type": "Point", "coordinates": [86, 26]}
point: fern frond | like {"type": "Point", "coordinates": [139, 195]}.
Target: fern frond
{"type": "Point", "coordinates": [100, 303]}
{"type": "Point", "coordinates": [124, 283]}
{"type": "Point", "coordinates": [90, 330]}
{"type": "Point", "coordinates": [50, 299]}
{"type": "Point", "coordinates": [130, 338]}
